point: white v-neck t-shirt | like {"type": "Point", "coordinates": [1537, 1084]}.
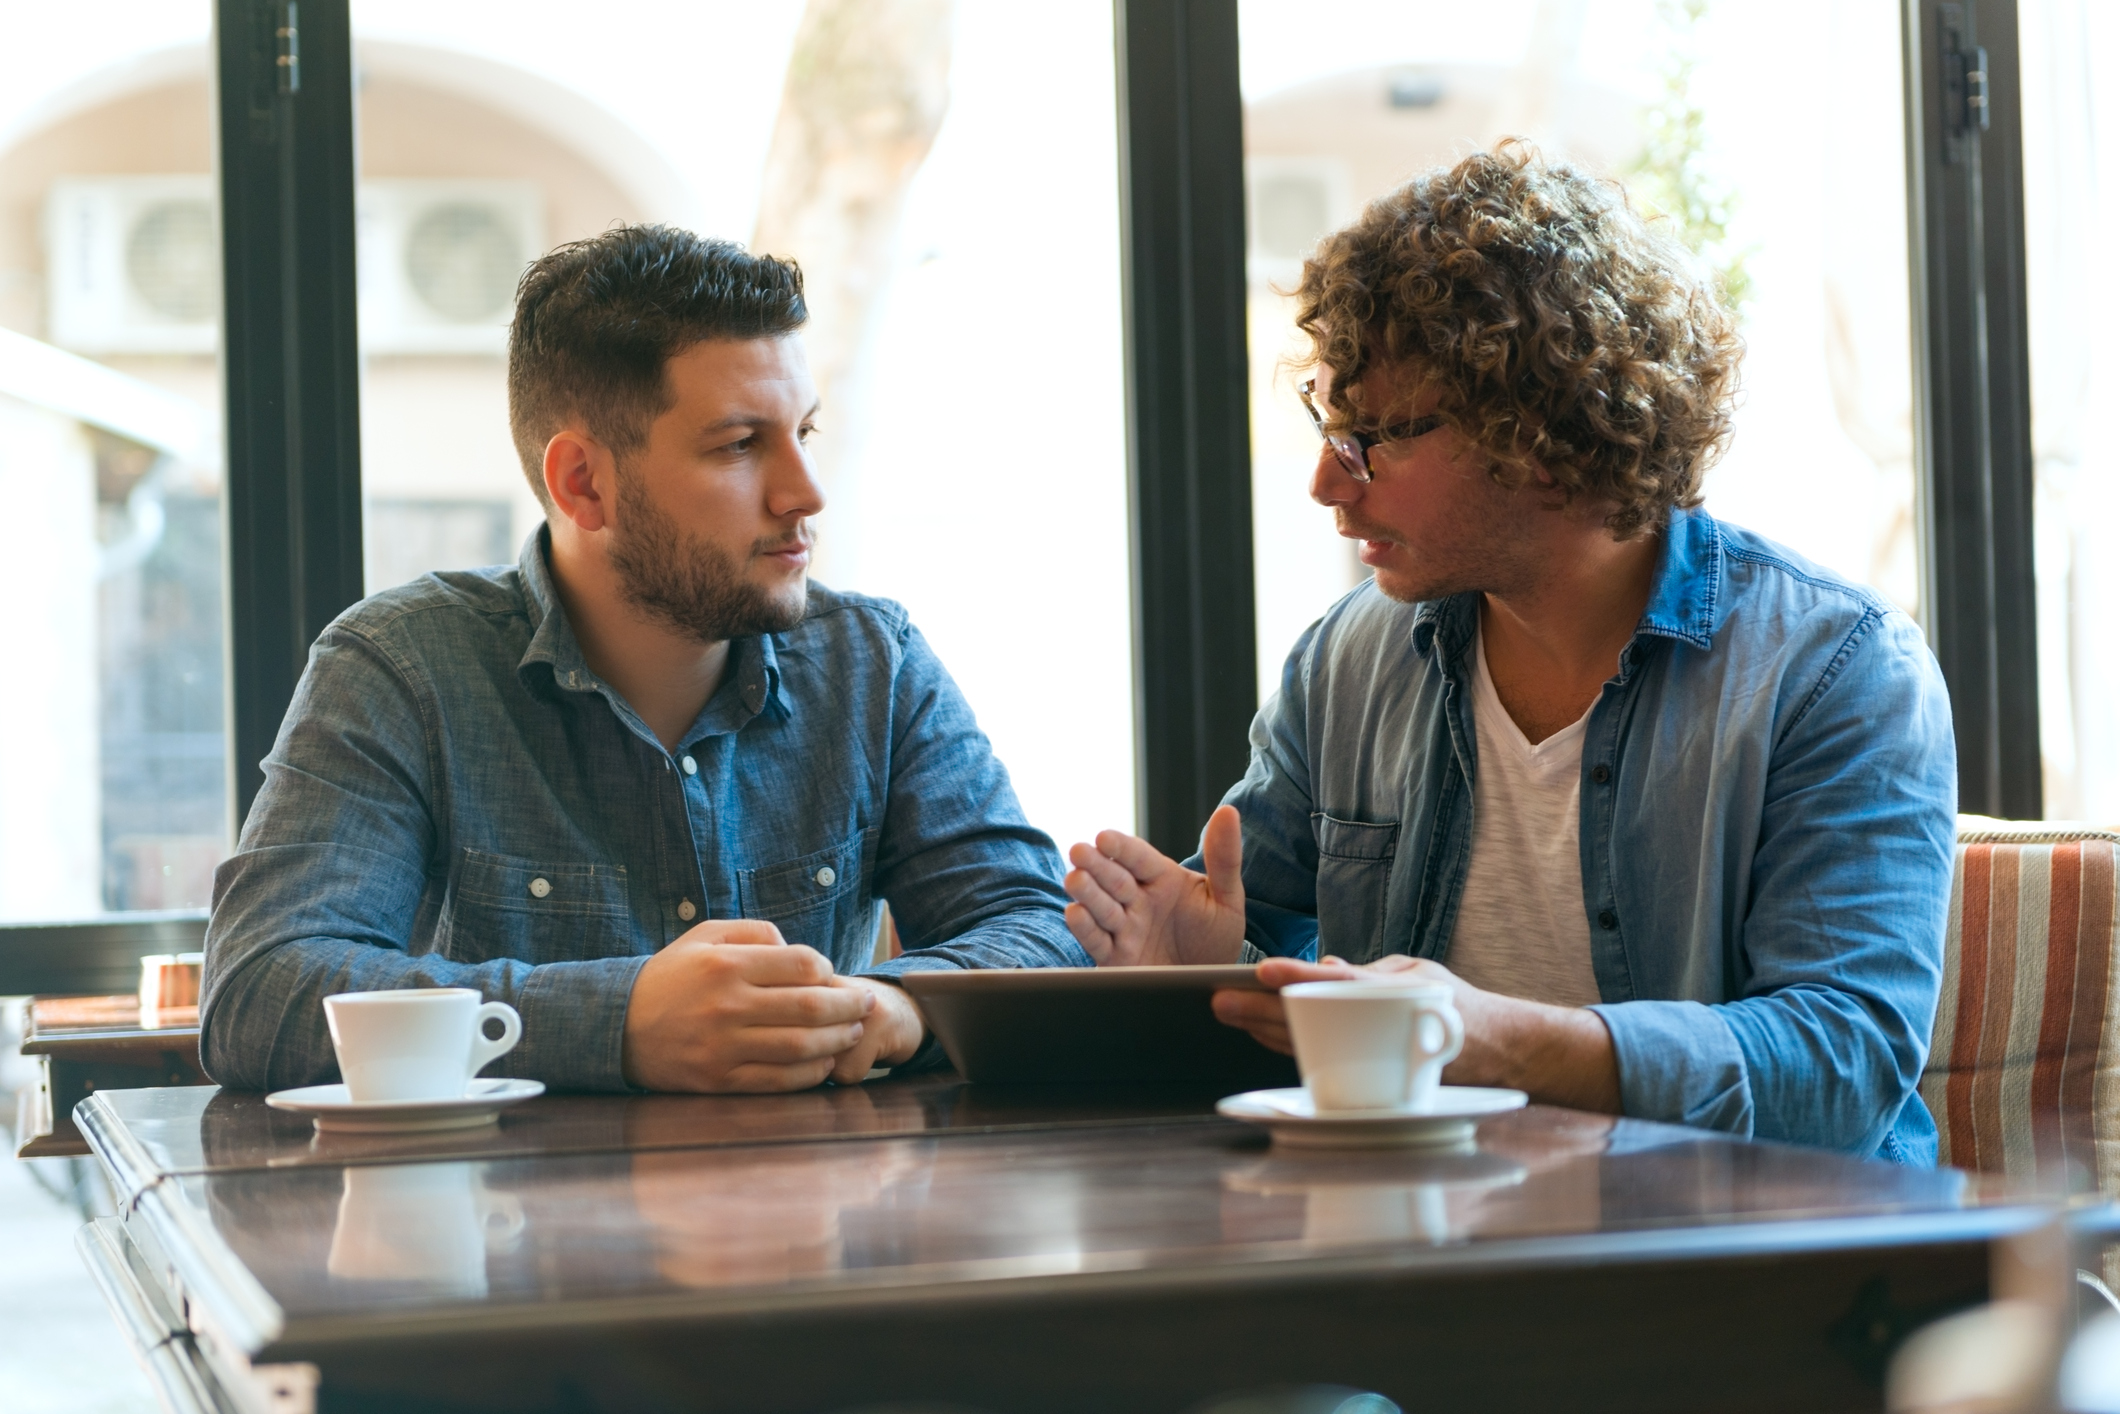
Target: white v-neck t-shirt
{"type": "Point", "coordinates": [1521, 927]}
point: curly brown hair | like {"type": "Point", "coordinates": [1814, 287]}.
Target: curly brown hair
{"type": "Point", "coordinates": [1560, 329]}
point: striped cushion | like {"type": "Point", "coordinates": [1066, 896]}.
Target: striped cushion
{"type": "Point", "coordinates": [2026, 1054]}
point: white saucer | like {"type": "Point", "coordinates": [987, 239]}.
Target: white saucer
{"type": "Point", "coordinates": [335, 1112]}
{"type": "Point", "coordinates": [1293, 1121]}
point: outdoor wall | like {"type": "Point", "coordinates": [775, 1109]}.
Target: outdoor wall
{"type": "Point", "coordinates": [51, 845]}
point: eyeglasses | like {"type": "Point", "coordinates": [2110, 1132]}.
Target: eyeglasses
{"type": "Point", "coordinates": [1353, 448]}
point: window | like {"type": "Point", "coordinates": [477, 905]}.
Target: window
{"type": "Point", "coordinates": [113, 789]}
{"type": "Point", "coordinates": [2071, 194]}
{"type": "Point", "coordinates": [946, 175]}
{"type": "Point", "coordinates": [1771, 136]}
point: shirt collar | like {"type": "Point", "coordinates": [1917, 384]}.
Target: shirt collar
{"type": "Point", "coordinates": [1685, 596]}
{"type": "Point", "coordinates": [752, 683]}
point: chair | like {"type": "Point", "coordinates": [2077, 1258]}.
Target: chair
{"type": "Point", "coordinates": [2024, 1065]}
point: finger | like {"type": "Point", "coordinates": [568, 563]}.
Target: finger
{"type": "Point", "coordinates": [795, 966]}
{"type": "Point", "coordinates": [1222, 851]}
{"type": "Point", "coordinates": [1109, 914]}
{"type": "Point", "coordinates": [1273, 1038]}
{"type": "Point", "coordinates": [785, 1045]}
{"type": "Point", "coordinates": [1278, 972]}
{"type": "Point", "coordinates": [1258, 1014]}
{"type": "Point", "coordinates": [759, 1078]}
{"type": "Point", "coordinates": [1138, 857]}
{"type": "Point", "coordinates": [852, 1066]}
{"type": "Point", "coordinates": [740, 932]}
{"type": "Point", "coordinates": [801, 1006]}
{"type": "Point", "coordinates": [1095, 941]}
{"type": "Point", "coordinates": [1236, 1008]}
{"type": "Point", "coordinates": [1110, 876]}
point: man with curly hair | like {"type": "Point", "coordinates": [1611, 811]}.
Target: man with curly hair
{"type": "Point", "coordinates": [1669, 805]}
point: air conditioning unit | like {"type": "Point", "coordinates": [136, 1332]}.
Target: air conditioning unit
{"type": "Point", "coordinates": [439, 261]}
{"type": "Point", "coordinates": [133, 264]}
{"type": "Point", "coordinates": [1292, 201]}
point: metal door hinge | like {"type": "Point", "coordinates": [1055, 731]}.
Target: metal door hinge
{"type": "Point", "coordinates": [1965, 83]}
{"type": "Point", "coordinates": [289, 56]}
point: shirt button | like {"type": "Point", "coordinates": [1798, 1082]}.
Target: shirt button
{"type": "Point", "coordinates": [826, 877]}
{"type": "Point", "coordinates": [1608, 919]}
{"type": "Point", "coordinates": [1601, 773]}
{"type": "Point", "coordinates": [540, 887]}
{"type": "Point", "coordinates": [686, 911]}
{"type": "Point", "coordinates": [691, 766]}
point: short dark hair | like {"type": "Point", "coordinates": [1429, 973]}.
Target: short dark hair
{"type": "Point", "coordinates": [1559, 327]}
{"type": "Point", "coordinates": [597, 320]}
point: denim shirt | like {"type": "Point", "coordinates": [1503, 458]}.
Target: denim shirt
{"type": "Point", "coordinates": [456, 799]}
{"type": "Point", "coordinates": [1768, 792]}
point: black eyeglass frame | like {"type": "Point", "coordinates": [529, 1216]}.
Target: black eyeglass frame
{"type": "Point", "coordinates": [1353, 448]}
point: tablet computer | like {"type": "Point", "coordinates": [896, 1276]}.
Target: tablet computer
{"type": "Point", "coordinates": [1140, 1025]}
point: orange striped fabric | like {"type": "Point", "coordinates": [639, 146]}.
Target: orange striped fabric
{"type": "Point", "coordinates": [2025, 1057]}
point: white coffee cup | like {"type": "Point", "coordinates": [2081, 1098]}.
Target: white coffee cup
{"type": "Point", "coordinates": [418, 1043]}
{"type": "Point", "coordinates": [1373, 1045]}
{"type": "Point", "coordinates": [430, 1224]}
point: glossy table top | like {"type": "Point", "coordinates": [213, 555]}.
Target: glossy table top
{"type": "Point", "coordinates": [107, 1027]}
{"type": "Point", "coordinates": [144, 1135]}
{"type": "Point", "coordinates": [582, 1208]}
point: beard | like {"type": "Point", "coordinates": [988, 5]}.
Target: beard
{"type": "Point", "coordinates": [689, 584]}
{"type": "Point", "coordinates": [1479, 559]}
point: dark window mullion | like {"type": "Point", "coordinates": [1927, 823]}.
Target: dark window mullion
{"type": "Point", "coordinates": [1972, 392]}
{"type": "Point", "coordinates": [289, 352]}
{"type": "Point", "coordinates": [1181, 150]}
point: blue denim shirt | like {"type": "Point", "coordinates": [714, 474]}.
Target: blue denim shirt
{"type": "Point", "coordinates": [448, 748]}
{"type": "Point", "coordinates": [1767, 811]}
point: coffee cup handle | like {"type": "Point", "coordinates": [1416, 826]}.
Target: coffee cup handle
{"type": "Point", "coordinates": [485, 1052]}
{"type": "Point", "coordinates": [1453, 1036]}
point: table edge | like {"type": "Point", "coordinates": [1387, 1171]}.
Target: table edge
{"type": "Point", "coordinates": [308, 1338]}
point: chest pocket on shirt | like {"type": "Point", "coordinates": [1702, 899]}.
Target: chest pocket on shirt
{"type": "Point", "coordinates": [506, 907]}
{"type": "Point", "coordinates": [1354, 873]}
{"type": "Point", "coordinates": [817, 899]}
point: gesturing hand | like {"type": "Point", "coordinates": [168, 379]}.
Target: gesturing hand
{"type": "Point", "coordinates": [1136, 906]}
{"type": "Point", "coordinates": [730, 1006]}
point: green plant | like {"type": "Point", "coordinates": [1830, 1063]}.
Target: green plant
{"type": "Point", "coordinates": [1674, 177]}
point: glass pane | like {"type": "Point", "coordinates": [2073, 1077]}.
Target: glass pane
{"type": "Point", "coordinates": [980, 483]}
{"type": "Point", "coordinates": [2071, 194]}
{"type": "Point", "coordinates": [113, 789]}
{"type": "Point", "coordinates": [1743, 121]}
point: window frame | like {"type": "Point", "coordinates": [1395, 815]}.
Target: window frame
{"type": "Point", "coordinates": [1972, 392]}
{"type": "Point", "coordinates": [294, 500]}
{"type": "Point", "coordinates": [284, 101]}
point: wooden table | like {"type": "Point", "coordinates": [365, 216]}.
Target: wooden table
{"type": "Point", "coordinates": [86, 1044]}
{"type": "Point", "coordinates": [921, 1240]}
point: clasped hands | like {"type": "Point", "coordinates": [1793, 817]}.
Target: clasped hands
{"type": "Point", "coordinates": [732, 1006]}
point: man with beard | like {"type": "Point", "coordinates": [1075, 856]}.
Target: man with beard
{"type": "Point", "coordinates": [649, 785]}
{"type": "Point", "coordinates": [1668, 805]}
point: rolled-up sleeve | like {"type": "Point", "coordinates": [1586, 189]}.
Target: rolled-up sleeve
{"type": "Point", "coordinates": [325, 891]}
{"type": "Point", "coordinates": [969, 881]}
{"type": "Point", "coordinates": [1842, 938]}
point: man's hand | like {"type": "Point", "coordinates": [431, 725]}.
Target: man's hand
{"type": "Point", "coordinates": [731, 1007]}
{"type": "Point", "coordinates": [1559, 1055]}
{"type": "Point", "coordinates": [1135, 906]}
{"type": "Point", "coordinates": [889, 1035]}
